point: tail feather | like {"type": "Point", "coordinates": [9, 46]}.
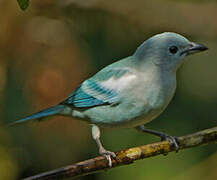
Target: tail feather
{"type": "Point", "coordinates": [40, 115]}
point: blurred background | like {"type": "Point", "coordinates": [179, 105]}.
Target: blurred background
{"type": "Point", "coordinates": [48, 50]}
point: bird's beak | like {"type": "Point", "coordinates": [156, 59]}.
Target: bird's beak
{"type": "Point", "coordinates": [194, 48]}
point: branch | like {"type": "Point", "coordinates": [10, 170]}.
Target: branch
{"type": "Point", "coordinates": [128, 156]}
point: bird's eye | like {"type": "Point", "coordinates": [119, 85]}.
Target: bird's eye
{"type": "Point", "coordinates": [173, 49]}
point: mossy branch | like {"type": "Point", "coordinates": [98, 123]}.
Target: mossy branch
{"type": "Point", "coordinates": [128, 156]}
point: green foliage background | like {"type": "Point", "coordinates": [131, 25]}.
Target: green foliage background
{"type": "Point", "coordinates": [23, 4]}
{"type": "Point", "coordinates": [48, 50]}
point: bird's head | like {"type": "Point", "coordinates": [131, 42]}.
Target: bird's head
{"type": "Point", "coordinates": [167, 50]}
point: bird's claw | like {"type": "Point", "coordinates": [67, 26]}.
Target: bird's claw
{"type": "Point", "coordinates": [173, 140]}
{"type": "Point", "coordinates": [108, 155]}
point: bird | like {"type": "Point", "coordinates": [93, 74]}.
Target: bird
{"type": "Point", "coordinates": [130, 92]}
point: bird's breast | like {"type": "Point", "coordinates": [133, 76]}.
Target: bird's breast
{"type": "Point", "coordinates": [159, 94]}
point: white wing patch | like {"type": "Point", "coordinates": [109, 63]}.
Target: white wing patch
{"type": "Point", "coordinates": [118, 84]}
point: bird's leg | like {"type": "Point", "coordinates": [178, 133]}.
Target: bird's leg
{"type": "Point", "coordinates": [163, 136]}
{"type": "Point", "coordinates": [102, 150]}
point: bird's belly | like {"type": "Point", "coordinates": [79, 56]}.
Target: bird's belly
{"type": "Point", "coordinates": [122, 116]}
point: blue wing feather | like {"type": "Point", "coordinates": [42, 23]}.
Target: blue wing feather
{"type": "Point", "coordinates": [90, 94]}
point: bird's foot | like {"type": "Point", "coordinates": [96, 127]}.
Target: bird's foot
{"type": "Point", "coordinates": [173, 140]}
{"type": "Point", "coordinates": [108, 155]}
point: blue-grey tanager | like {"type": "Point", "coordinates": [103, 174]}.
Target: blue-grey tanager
{"type": "Point", "coordinates": [131, 92]}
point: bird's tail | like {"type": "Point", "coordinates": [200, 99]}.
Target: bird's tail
{"type": "Point", "coordinates": [40, 115]}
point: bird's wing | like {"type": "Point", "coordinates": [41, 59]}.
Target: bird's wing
{"type": "Point", "coordinates": [101, 89]}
